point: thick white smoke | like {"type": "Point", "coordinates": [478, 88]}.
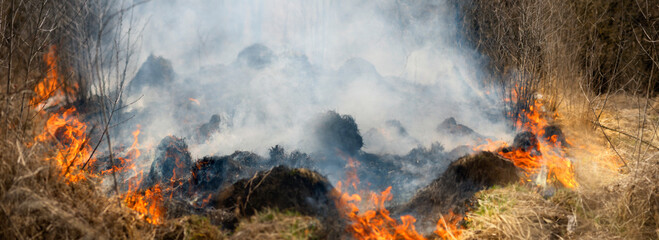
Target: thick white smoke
{"type": "Point", "coordinates": [375, 60]}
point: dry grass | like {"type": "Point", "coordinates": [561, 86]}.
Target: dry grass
{"type": "Point", "coordinates": [559, 48]}
{"type": "Point", "coordinates": [595, 63]}
{"type": "Point", "coordinates": [611, 202]}
{"type": "Point", "coordinates": [272, 224]}
{"type": "Point", "coordinates": [515, 212]}
{"type": "Point", "coordinates": [35, 202]}
{"type": "Point", "coordinates": [188, 228]}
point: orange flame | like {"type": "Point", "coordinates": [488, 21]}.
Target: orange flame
{"type": "Point", "coordinates": [375, 222]}
{"type": "Point", "coordinates": [70, 136]}
{"type": "Point", "coordinates": [73, 150]}
{"type": "Point", "coordinates": [447, 226]}
{"type": "Point", "coordinates": [128, 162]}
{"type": "Point", "coordinates": [62, 128]}
{"type": "Point", "coordinates": [149, 205]}
{"type": "Point", "coordinates": [552, 155]}
{"type": "Point", "coordinates": [48, 91]}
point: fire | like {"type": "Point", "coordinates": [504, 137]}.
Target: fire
{"type": "Point", "coordinates": [447, 226]}
{"type": "Point", "coordinates": [62, 128]}
{"type": "Point", "coordinates": [71, 138]}
{"type": "Point", "coordinates": [550, 156]}
{"type": "Point", "coordinates": [149, 205]}
{"type": "Point", "coordinates": [134, 151]}
{"type": "Point", "coordinates": [69, 134]}
{"type": "Point", "coordinates": [194, 100]}
{"type": "Point", "coordinates": [48, 92]}
{"type": "Point", "coordinates": [128, 162]}
{"type": "Point", "coordinates": [375, 222]}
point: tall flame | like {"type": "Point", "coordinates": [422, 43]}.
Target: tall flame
{"type": "Point", "coordinates": [149, 203]}
{"type": "Point", "coordinates": [69, 134]}
{"type": "Point", "coordinates": [50, 92]}
{"type": "Point", "coordinates": [62, 128]}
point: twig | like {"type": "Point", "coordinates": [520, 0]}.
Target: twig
{"type": "Point", "coordinates": [590, 103]}
{"type": "Point", "coordinates": [251, 189]}
{"type": "Point", "coordinates": [626, 134]}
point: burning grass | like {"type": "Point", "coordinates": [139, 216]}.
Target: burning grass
{"type": "Point", "coordinates": [611, 201]}
{"type": "Point", "coordinates": [606, 185]}
{"type": "Point", "coordinates": [369, 218]}
{"type": "Point", "coordinates": [44, 190]}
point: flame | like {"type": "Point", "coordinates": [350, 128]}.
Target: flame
{"type": "Point", "coordinates": [149, 205]}
{"type": "Point", "coordinates": [447, 226]}
{"type": "Point", "coordinates": [128, 162]}
{"type": "Point", "coordinates": [375, 222]}
{"type": "Point", "coordinates": [48, 92]}
{"type": "Point", "coordinates": [194, 101]}
{"type": "Point", "coordinates": [62, 128]}
{"type": "Point", "coordinates": [551, 157]}
{"type": "Point", "coordinates": [70, 135]}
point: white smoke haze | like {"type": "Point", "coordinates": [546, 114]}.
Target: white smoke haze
{"type": "Point", "coordinates": [271, 67]}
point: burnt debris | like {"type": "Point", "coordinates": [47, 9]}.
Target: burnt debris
{"type": "Point", "coordinates": [458, 132]}
{"type": "Point", "coordinates": [211, 173]}
{"type": "Point", "coordinates": [256, 56]}
{"type": "Point", "coordinates": [450, 126]}
{"type": "Point", "coordinates": [206, 130]}
{"type": "Point", "coordinates": [283, 188]}
{"type": "Point", "coordinates": [554, 136]}
{"type": "Point", "coordinates": [155, 72]}
{"type": "Point", "coordinates": [340, 132]}
{"type": "Point", "coordinates": [172, 162]}
{"type": "Point", "coordinates": [527, 142]}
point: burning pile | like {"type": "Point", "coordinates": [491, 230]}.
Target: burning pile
{"type": "Point", "coordinates": [213, 181]}
{"type": "Point", "coordinates": [539, 150]}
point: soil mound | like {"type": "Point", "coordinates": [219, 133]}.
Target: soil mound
{"type": "Point", "coordinates": [283, 188]}
{"type": "Point", "coordinates": [462, 179]}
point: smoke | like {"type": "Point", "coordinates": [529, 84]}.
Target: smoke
{"type": "Point", "coordinates": [272, 68]}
